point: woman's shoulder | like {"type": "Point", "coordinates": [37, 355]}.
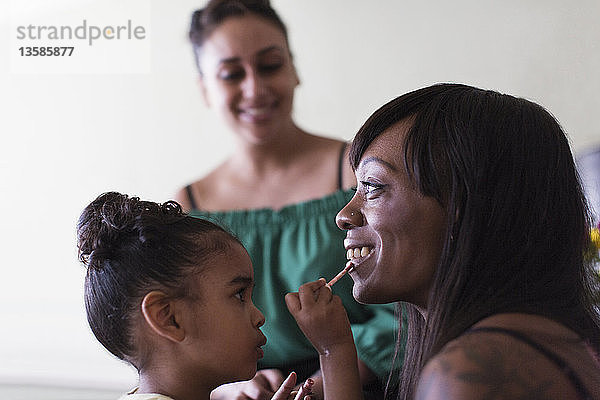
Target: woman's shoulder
{"type": "Point", "coordinates": [196, 194]}
{"type": "Point", "coordinates": [492, 363]}
{"type": "Point", "coordinates": [332, 154]}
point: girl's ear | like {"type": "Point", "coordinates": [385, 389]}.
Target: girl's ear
{"type": "Point", "coordinates": [160, 313]}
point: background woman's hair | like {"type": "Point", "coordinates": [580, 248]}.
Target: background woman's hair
{"type": "Point", "coordinates": [206, 20]}
{"type": "Point", "coordinates": [518, 223]}
{"type": "Point", "coordinates": [131, 247]}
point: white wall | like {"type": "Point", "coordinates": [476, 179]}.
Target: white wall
{"type": "Point", "coordinates": [67, 137]}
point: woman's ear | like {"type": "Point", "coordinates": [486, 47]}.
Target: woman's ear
{"type": "Point", "coordinates": [296, 76]}
{"type": "Point", "coordinates": [161, 314]}
{"type": "Point", "coordinates": [204, 91]}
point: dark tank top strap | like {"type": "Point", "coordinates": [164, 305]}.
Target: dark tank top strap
{"type": "Point", "coordinates": [341, 167]}
{"type": "Point", "coordinates": [190, 195]}
{"type": "Point", "coordinates": [555, 358]}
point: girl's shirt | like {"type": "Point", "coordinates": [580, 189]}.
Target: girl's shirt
{"type": "Point", "coordinates": [143, 396]}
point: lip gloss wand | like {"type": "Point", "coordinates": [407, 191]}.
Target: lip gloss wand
{"type": "Point", "coordinates": [339, 276]}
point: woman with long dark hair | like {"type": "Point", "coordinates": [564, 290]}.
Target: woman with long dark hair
{"type": "Point", "coordinates": [472, 214]}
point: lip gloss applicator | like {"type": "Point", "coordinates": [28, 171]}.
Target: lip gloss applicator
{"type": "Point", "coordinates": [339, 276]}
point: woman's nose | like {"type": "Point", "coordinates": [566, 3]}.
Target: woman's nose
{"type": "Point", "coordinates": [349, 217]}
{"type": "Point", "coordinates": [253, 85]}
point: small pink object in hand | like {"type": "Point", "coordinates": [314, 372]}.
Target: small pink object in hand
{"type": "Point", "coordinates": [343, 272]}
{"type": "Point", "coordinates": [305, 390]}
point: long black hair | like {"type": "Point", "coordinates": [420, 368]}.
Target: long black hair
{"type": "Point", "coordinates": [131, 247]}
{"type": "Point", "coordinates": [518, 224]}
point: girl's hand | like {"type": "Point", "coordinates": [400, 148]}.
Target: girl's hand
{"type": "Point", "coordinates": [324, 321]}
{"type": "Point", "coordinates": [261, 387]}
{"type": "Point", "coordinates": [321, 316]}
{"type": "Point", "coordinates": [305, 390]}
{"type": "Point", "coordinates": [286, 390]}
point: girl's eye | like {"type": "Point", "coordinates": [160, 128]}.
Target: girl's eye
{"type": "Point", "coordinates": [371, 188]}
{"type": "Point", "coordinates": [240, 295]}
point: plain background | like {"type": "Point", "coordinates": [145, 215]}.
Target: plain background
{"type": "Point", "coordinates": [68, 137]}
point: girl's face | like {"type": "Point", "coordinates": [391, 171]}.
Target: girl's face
{"type": "Point", "coordinates": [248, 77]}
{"type": "Point", "coordinates": [395, 234]}
{"type": "Point", "coordinates": [224, 338]}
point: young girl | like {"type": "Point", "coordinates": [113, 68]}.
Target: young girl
{"type": "Point", "coordinates": [171, 295]}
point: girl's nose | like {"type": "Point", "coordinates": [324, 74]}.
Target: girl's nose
{"type": "Point", "coordinates": [259, 317]}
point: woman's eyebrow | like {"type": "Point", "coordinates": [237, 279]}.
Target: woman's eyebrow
{"type": "Point", "coordinates": [235, 59]}
{"type": "Point", "coordinates": [268, 49]}
{"type": "Point", "coordinates": [378, 161]}
{"type": "Point", "coordinates": [230, 60]}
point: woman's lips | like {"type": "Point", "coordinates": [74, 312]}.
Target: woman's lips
{"type": "Point", "coordinates": [256, 114]}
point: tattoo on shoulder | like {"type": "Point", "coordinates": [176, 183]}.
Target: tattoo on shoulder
{"type": "Point", "coordinates": [488, 368]}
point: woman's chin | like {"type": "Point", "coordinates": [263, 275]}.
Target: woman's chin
{"type": "Point", "coordinates": [368, 294]}
{"type": "Point", "coordinates": [363, 294]}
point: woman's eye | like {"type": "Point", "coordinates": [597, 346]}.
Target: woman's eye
{"type": "Point", "coordinates": [269, 68]}
{"type": "Point", "coordinates": [371, 188]}
{"type": "Point", "coordinates": [231, 75]}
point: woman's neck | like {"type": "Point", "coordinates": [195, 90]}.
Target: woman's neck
{"type": "Point", "coordinates": [266, 158]}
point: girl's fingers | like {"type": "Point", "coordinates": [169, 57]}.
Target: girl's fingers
{"type": "Point", "coordinates": [286, 387]}
{"type": "Point", "coordinates": [292, 301]}
{"type": "Point", "coordinates": [309, 292]}
{"type": "Point", "coordinates": [305, 390]}
{"type": "Point", "coordinates": [324, 294]}
{"type": "Point", "coordinates": [310, 287]}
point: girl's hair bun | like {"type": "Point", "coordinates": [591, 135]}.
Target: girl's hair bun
{"type": "Point", "coordinates": [131, 247]}
{"type": "Point", "coordinates": [112, 220]}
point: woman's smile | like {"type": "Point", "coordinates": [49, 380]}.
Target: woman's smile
{"type": "Point", "coordinates": [357, 254]}
{"type": "Point", "coordinates": [256, 114]}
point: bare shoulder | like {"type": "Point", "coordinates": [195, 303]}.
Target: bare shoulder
{"type": "Point", "coordinates": [348, 177]}
{"type": "Point", "coordinates": [183, 198]}
{"type": "Point", "coordinates": [324, 145]}
{"type": "Point", "coordinates": [331, 150]}
{"type": "Point", "coordinates": [198, 191]}
{"type": "Point", "coordinates": [456, 372]}
{"type": "Point", "coordinates": [491, 366]}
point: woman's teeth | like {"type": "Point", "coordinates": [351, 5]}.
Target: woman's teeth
{"type": "Point", "coordinates": [257, 112]}
{"type": "Point", "coordinates": [357, 252]}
